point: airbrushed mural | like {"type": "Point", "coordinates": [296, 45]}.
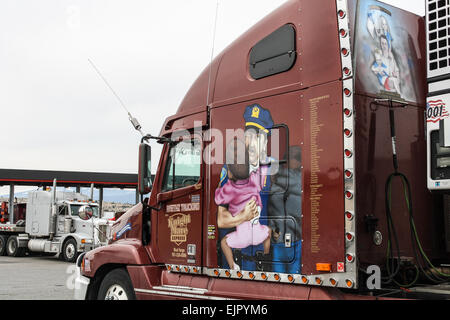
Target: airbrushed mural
{"type": "Point", "coordinates": [385, 53]}
{"type": "Point", "coordinates": [259, 203]}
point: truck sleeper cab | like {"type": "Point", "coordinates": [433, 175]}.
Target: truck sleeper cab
{"type": "Point", "coordinates": [307, 91]}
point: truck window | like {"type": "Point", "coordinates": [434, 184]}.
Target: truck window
{"type": "Point", "coordinates": [183, 165]}
{"type": "Point", "coordinates": [273, 54]}
{"type": "Point", "coordinates": [74, 208]}
{"type": "Point", "coordinates": [62, 210]}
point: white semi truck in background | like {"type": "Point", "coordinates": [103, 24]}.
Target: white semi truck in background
{"type": "Point", "coordinates": [55, 222]}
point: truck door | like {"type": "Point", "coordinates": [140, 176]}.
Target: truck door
{"type": "Point", "coordinates": [283, 206]}
{"type": "Point", "coordinates": [62, 213]}
{"type": "Point", "coordinates": [179, 222]}
{"type": "Point", "coordinates": [280, 208]}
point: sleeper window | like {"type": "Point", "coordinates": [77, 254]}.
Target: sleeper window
{"type": "Point", "coordinates": [273, 54]}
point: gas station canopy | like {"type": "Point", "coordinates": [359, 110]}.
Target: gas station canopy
{"type": "Point", "coordinates": [67, 178]}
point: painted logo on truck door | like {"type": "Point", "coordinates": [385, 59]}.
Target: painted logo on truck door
{"type": "Point", "coordinates": [178, 225]}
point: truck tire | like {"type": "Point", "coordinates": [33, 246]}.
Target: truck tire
{"type": "Point", "coordinates": [3, 240]}
{"type": "Point", "coordinates": [70, 252]}
{"type": "Point", "coordinates": [116, 286]}
{"type": "Point", "coordinates": [13, 249]}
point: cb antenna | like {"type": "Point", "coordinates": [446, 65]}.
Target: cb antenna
{"type": "Point", "coordinates": [212, 52]}
{"type": "Point", "coordinates": [132, 119]}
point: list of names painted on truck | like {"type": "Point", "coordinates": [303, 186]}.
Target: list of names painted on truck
{"type": "Point", "coordinates": [315, 185]}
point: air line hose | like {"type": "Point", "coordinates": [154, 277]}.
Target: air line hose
{"type": "Point", "coordinates": [392, 231]}
{"type": "Point", "coordinates": [390, 223]}
{"type": "Point", "coordinates": [391, 228]}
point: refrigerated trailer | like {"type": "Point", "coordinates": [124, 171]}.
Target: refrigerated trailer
{"type": "Point", "coordinates": [327, 197]}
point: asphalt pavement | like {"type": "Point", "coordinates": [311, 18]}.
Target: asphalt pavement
{"type": "Point", "coordinates": [36, 278]}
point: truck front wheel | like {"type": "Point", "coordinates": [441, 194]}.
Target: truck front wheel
{"type": "Point", "coordinates": [70, 252]}
{"type": "Point", "coordinates": [116, 286]}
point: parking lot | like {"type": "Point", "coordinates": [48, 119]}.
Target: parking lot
{"type": "Point", "coordinates": [35, 278]}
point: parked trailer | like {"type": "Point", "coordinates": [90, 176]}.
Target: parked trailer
{"type": "Point", "coordinates": [327, 100]}
{"type": "Point", "coordinates": [55, 222]}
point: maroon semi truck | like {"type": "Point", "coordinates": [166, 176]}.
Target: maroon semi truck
{"type": "Point", "coordinates": [327, 99]}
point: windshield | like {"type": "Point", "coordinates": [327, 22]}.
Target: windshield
{"type": "Point", "coordinates": [75, 207]}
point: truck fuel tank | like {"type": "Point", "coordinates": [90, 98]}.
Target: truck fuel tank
{"type": "Point", "coordinates": [37, 245]}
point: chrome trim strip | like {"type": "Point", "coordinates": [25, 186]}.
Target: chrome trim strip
{"type": "Point", "coordinates": [180, 294]}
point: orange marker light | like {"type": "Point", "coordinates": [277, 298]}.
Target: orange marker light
{"type": "Point", "coordinates": [251, 275]}
{"type": "Point", "coordinates": [349, 283]}
{"type": "Point", "coordinates": [277, 277]}
{"type": "Point", "coordinates": [325, 267]}
{"type": "Point", "coordinates": [304, 279]}
{"type": "Point", "coordinates": [290, 278]}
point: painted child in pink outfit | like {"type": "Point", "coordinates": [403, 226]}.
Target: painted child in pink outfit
{"type": "Point", "coordinates": [241, 188]}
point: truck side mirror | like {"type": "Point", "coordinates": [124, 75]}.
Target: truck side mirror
{"type": "Point", "coordinates": [85, 213]}
{"type": "Point", "coordinates": [145, 164]}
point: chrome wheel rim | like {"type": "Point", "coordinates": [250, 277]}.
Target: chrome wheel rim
{"type": "Point", "coordinates": [116, 292]}
{"type": "Point", "coordinates": [70, 251]}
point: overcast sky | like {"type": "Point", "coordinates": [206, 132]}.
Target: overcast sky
{"type": "Point", "coordinates": [55, 111]}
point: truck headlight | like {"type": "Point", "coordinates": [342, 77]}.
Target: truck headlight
{"type": "Point", "coordinates": [86, 241]}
